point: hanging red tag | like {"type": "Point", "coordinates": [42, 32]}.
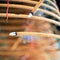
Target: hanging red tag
{"type": "Point", "coordinates": [7, 10]}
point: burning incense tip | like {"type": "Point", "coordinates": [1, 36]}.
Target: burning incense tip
{"type": "Point", "coordinates": [35, 8]}
{"type": "Point", "coordinates": [30, 15]}
{"type": "Point", "coordinates": [13, 34]}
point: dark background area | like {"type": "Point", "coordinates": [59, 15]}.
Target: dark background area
{"type": "Point", "coordinates": [58, 3]}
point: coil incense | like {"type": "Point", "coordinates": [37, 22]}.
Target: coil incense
{"type": "Point", "coordinates": [34, 34]}
{"type": "Point", "coordinates": [37, 40]}
{"type": "Point", "coordinates": [33, 17]}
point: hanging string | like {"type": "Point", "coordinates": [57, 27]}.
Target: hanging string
{"type": "Point", "coordinates": [29, 28]}
{"type": "Point", "coordinates": [31, 38]}
{"type": "Point", "coordinates": [7, 11]}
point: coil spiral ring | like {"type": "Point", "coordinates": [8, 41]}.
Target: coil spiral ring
{"type": "Point", "coordinates": [18, 17]}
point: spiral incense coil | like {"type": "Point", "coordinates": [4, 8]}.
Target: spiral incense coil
{"type": "Point", "coordinates": [35, 39]}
